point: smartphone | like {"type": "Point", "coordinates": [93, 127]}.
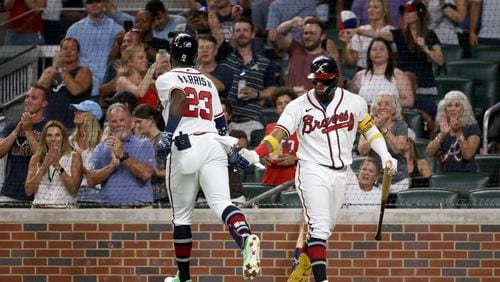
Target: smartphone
{"type": "Point", "coordinates": [128, 25]}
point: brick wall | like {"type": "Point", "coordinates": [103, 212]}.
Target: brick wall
{"type": "Point", "coordinates": [135, 245]}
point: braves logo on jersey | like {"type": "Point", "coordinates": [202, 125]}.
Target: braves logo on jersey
{"type": "Point", "coordinates": [336, 121]}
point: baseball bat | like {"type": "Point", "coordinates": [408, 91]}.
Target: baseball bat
{"type": "Point", "coordinates": [299, 243]}
{"type": "Point", "coordinates": [386, 186]}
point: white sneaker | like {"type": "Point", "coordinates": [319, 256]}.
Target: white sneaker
{"type": "Point", "coordinates": [251, 257]}
{"type": "Point", "coordinates": [174, 279]}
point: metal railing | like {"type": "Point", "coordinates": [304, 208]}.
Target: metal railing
{"type": "Point", "coordinates": [486, 119]}
{"type": "Point", "coordinates": [17, 73]}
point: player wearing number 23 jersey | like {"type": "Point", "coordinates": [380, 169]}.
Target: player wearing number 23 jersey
{"type": "Point", "coordinates": [194, 124]}
{"type": "Point", "coordinates": [325, 120]}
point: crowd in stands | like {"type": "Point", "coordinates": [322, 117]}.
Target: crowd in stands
{"type": "Point", "coordinates": [92, 120]}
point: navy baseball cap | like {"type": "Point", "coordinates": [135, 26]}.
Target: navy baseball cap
{"type": "Point", "coordinates": [88, 106]}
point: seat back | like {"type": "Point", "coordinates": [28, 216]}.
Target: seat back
{"type": "Point", "coordinates": [290, 199]}
{"type": "Point", "coordinates": [268, 115]}
{"type": "Point", "coordinates": [427, 199]}
{"type": "Point", "coordinates": [459, 182]}
{"type": "Point", "coordinates": [448, 83]}
{"type": "Point", "coordinates": [485, 198]}
{"type": "Point", "coordinates": [421, 145]}
{"type": "Point", "coordinates": [255, 137]}
{"type": "Point", "coordinates": [489, 165]}
{"type": "Point", "coordinates": [489, 53]}
{"type": "Point", "coordinates": [484, 76]}
{"type": "Point", "coordinates": [451, 53]}
{"type": "Point", "coordinates": [356, 163]}
{"type": "Point", "coordinates": [415, 121]}
{"type": "Point", "coordinates": [253, 189]}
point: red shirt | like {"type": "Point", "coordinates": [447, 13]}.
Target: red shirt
{"type": "Point", "coordinates": [28, 23]}
{"type": "Point", "coordinates": [275, 174]}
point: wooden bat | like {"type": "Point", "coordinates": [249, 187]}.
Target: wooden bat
{"type": "Point", "coordinates": [386, 186]}
{"type": "Point", "coordinates": [299, 243]}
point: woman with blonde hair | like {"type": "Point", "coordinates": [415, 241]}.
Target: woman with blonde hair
{"type": "Point", "coordinates": [458, 134]}
{"type": "Point", "coordinates": [85, 137]}
{"type": "Point", "coordinates": [136, 77]}
{"type": "Point", "coordinates": [55, 171]}
{"type": "Point", "coordinates": [355, 46]}
{"type": "Point", "coordinates": [386, 114]}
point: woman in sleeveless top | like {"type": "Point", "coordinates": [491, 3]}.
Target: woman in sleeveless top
{"type": "Point", "coordinates": [381, 74]}
{"type": "Point", "coordinates": [417, 166]}
{"type": "Point", "coordinates": [55, 172]}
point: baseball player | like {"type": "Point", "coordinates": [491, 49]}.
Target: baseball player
{"type": "Point", "coordinates": [195, 123]}
{"type": "Point", "coordinates": [326, 120]}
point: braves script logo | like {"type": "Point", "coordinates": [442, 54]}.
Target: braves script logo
{"type": "Point", "coordinates": [336, 121]}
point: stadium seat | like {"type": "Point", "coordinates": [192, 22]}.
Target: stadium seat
{"type": "Point", "coordinates": [253, 189]}
{"type": "Point", "coordinates": [421, 145]}
{"type": "Point", "coordinates": [489, 165]}
{"type": "Point", "coordinates": [484, 76]}
{"type": "Point", "coordinates": [415, 121]}
{"type": "Point", "coordinates": [489, 53]}
{"type": "Point", "coordinates": [356, 163]}
{"type": "Point", "coordinates": [451, 53]}
{"type": "Point", "coordinates": [290, 199]}
{"type": "Point", "coordinates": [255, 137]}
{"type": "Point", "coordinates": [484, 198]}
{"type": "Point", "coordinates": [452, 82]}
{"type": "Point", "coordinates": [460, 182]}
{"type": "Point", "coordinates": [268, 115]}
{"type": "Point", "coordinates": [427, 199]}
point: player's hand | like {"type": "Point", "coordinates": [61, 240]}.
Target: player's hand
{"type": "Point", "coordinates": [250, 155]}
{"type": "Point", "coordinates": [286, 160]}
{"type": "Point", "coordinates": [236, 160]}
{"type": "Point", "coordinates": [394, 164]}
{"type": "Point", "coordinates": [164, 146]}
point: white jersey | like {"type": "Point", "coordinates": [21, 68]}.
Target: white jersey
{"type": "Point", "coordinates": [202, 99]}
{"type": "Point", "coordinates": [325, 135]}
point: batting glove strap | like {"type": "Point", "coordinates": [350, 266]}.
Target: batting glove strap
{"type": "Point", "coordinates": [235, 160]}
{"type": "Point", "coordinates": [164, 146]}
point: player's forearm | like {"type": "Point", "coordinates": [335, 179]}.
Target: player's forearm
{"type": "Point", "coordinates": [140, 170]}
{"type": "Point", "coordinates": [377, 142]}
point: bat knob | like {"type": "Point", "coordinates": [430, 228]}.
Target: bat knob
{"type": "Point", "coordinates": [378, 237]}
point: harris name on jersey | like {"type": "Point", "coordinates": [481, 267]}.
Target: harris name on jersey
{"type": "Point", "coordinates": [194, 79]}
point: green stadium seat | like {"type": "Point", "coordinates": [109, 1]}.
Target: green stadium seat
{"type": "Point", "coordinates": [356, 162]}
{"type": "Point", "coordinates": [290, 199]}
{"type": "Point", "coordinates": [427, 199]}
{"type": "Point", "coordinates": [448, 83]}
{"type": "Point", "coordinates": [253, 189]}
{"type": "Point", "coordinates": [489, 53]}
{"type": "Point", "coordinates": [489, 165]}
{"type": "Point", "coordinates": [460, 182]}
{"type": "Point", "coordinates": [255, 137]}
{"type": "Point", "coordinates": [484, 198]}
{"type": "Point", "coordinates": [268, 115]}
{"type": "Point", "coordinates": [415, 121]}
{"type": "Point", "coordinates": [484, 76]}
{"type": "Point", "coordinates": [421, 145]}
{"type": "Point", "coordinates": [451, 53]}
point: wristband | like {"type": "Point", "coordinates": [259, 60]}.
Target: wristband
{"type": "Point", "coordinates": [262, 150]}
{"type": "Point", "coordinates": [61, 170]}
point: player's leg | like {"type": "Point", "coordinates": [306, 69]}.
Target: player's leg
{"type": "Point", "coordinates": [313, 187]}
{"type": "Point", "coordinates": [214, 181]}
{"type": "Point", "coordinates": [182, 192]}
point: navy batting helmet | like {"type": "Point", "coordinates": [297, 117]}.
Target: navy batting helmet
{"type": "Point", "coordinates": [184, 48]}
{"type": "Point", "coordinates": [324, 69]}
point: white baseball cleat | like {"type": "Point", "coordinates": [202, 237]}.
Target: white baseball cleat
{"type": "Point", "coordinates": [174, 279]}
{"type": "Point", "coordinates": [251, 257]}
